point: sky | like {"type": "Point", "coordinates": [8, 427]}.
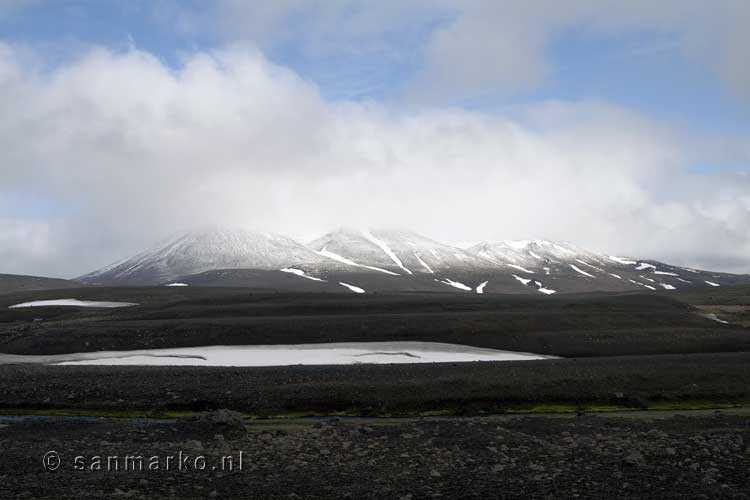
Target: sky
{"type": "Point", "coordinates": [621, 126]}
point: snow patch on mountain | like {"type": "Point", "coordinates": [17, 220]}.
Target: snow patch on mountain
{"type": "Point", "coordinates": [522, 280]}
{"type": "Point", "coordinates": [455, 284]}
{"type": "Point", "coordinates": [581, 271]}
{"type": "Point", "coordinates": [300, 272]}
{"type": "Point", "coordinates": [353, 288]}
{"type": "Point", "coordinates": [383, 246]}
{"type": "Point", "coordinates": [424, 264]}
{"type": "Point", "coordinates": [623, 261]}
{"type": "Point", "coordinates": [344, 260]}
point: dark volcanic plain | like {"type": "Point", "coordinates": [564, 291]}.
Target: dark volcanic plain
{"type": "Point", "coordinates": [624, 351]}
{"type": "Point", "coordinates": [570, 325]}
{"type": "Point", "coordinates": [679, 457]}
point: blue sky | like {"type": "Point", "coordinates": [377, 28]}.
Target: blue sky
{"type": "Point", "coordinates": [640, 69]}
{"type": "Point", "coordinates": [652, 97]}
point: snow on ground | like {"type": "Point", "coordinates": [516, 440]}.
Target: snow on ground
{"type": "Point", "coordinates": [546, 291]}
{"type": "Point", "coordinates": [714, 317]}
{"type": "Point", "coordinates": [455, 284]}
{"type": "Point", "coordinates": [642, 284]}
{"type": "Point", "coordinates": [615, 275]}
{"type": "Point", "coordinates": [385, 248]}
{"type": "Point", "coordinates": [344, 260]}
{"type": "Point", "coordinates": [581, 271]}
{"type": "Point", "coordinates": [535, 255]}
{"type": "Point", "coordinates": [522, 280]}
{"type": "Point", "coordinates": [300, 272]}
{"type": "Point", "coordinates": [424, 264]}
{"type": "Point", "coordinates": [520, 268]}
{"type": "Point", "coordinates": [645, 278]}
{"type": "Point", "coordinates": [177, 284]}
{"type": "Point", "coordinates": [546, 270]}
{"type": "Point", "coordinates": [284, 355]}
{"type": "Point", "coordinates": [645, 265]}
{"type": "Point", "coordinates": [665, 273]}
{"type": "Point", "coordinates": [667, 287]}
{"type": "Point", "coordinates": [620, 260]}
{"type": "Point", "coordinates": [712, 283]}
{"type": "Point", "coordinates": [480, 288]}
{"type": "Point", "coordinates": [589, 265]}
{"type": "Point", "coordinates": [71, 303]}
{"type": "Point", "coordinates": [684, 281]}
{"type": "Point", "coordinates": [353, 288]}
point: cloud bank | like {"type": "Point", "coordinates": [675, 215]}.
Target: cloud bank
{"type": "Point", "coordinates": [125, 150]}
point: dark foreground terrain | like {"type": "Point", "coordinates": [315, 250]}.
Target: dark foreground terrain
{"type": "Point", "coordinates": [464, 436]}
{"type": "Point", "coordinates": [695, 457]}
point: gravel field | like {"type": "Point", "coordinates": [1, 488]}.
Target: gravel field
{"type": "Point", "coordinates": [526, 458]}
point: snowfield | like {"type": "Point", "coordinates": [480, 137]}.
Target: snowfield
{"type": "Point", "coordinates": [301, 354]}
{"type": "Point", "coordinates": [71, 303]}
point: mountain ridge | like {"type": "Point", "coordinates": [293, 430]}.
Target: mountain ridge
{"type": "Point", "coordinates": [394, 259]}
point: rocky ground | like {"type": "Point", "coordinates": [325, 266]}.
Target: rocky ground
{"type": "Point", "coordinates": [599, 457]}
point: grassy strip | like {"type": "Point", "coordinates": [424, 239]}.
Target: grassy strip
{"type": "Point", "coordinates": [519, 410]}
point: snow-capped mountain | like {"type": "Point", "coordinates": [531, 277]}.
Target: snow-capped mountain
{"type": "Point", "coordinates": [361, 261]}
{"type": "Point", "coordinates": [394, 252]}
{"type": "Point", "coordinates": [559, 266]}
{"type": "Point", "coordinates": [205, 250]}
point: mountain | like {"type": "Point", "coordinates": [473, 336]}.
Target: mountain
{"type": "Point", "coordinates": [395, 252]}
{"type": "Point", "coordinates": [204, 250]}
{"type": "Point", "coordinates": [19, 283]}
{"type": "Point", "coordinates": [362, 261]}
{"type": "Point", "coordinates": [549, 265]}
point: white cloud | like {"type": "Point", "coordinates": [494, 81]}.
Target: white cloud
{"type": "Point", "coordinates": [140, 150]}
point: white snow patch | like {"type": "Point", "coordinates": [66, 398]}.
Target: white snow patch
{"type": "Point", "coordinates": [520, 268]}
{"type": "Point", "coordinates": [589, 265]}
{"type": "Point", "coordinates": [643, 285]}
{"type": "Point", "coordinates": [424, 264]}
{"type": "Point", "coordinates": [667, 287]}
{"type": "Point", "coordinates": [581, 271]}
{"type": "Point", "coordinates": [384, 247]}
{"type": "Point", "coordinates": [684, 281]}
{"type": "Point", "coordinates": [177, 284]}
{"type": "Point", "coordinates": [644, 265]}
{"type": "Point", "coordinates": [714, 317]}
{"type": "Point", "coordinates": [535, 255]}
{"type": "Point", "coordinates": [455, 284]}
{"type": "Point", "coordinates": [344, 260]}
{"type": "Point", "coordinates": [480, 288]}
{"type": "Point", "coordinates": [546, 270]}
{"type": "Point", "coordinates": [665, 273]}
{"type": "Point", "coordinates": [621, 260]}
{"type": "Point", "coordinates": [712, 283]}
{"type": "Point", "coordinates": [300, 272]}
{"type": "Point", "coordinates": [522, 280]}
{"type": "Point", "coordinates": [71, 303]}
{"type": "Point", "coordinates": [287, 355]}
{"type": "Point", "coordinates": [353, 288]}
{"type": "Point", "coordinates": [541, 288]}
{"type": "Point", "coordinates": [615, 275]}
{"type": "Point", "coordinates": [645, 278]}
